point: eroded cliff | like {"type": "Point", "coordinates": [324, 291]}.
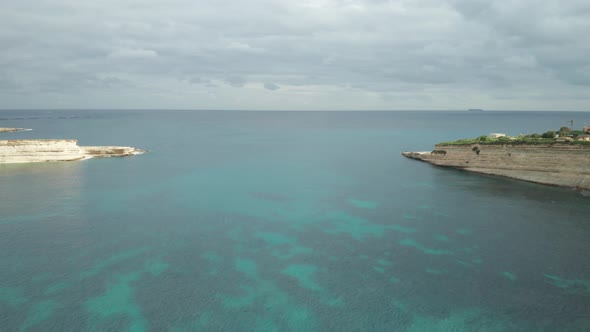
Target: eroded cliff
{"type": "Point", "coordinates": [556, 164]}
{"type": "Point", "coordinates": [44, 150]}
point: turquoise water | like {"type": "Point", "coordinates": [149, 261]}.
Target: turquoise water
{"type": "Point", "coordinates": [285, 221]}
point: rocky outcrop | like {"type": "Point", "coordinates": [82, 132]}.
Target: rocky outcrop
{"type": "Point", "coordinates": [565, 164]}
{"type": "Point", "coordinates": [44, 150]}
{"type": "Point", "coordinates": [8, 130]}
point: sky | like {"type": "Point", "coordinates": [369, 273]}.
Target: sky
{"type": "Point", "coordinates": [295, 55]}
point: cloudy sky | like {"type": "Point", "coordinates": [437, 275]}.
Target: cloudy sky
{"type": "Point", "coordinates": [298, 54]}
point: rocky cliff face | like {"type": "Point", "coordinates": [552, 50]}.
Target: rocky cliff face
{"type": "Point", "coordinates": [558, 164]}
{"type": "Point", "coordinates": [43, 150]}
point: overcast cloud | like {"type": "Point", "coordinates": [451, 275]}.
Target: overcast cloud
{"type": "Point", "coordinates": [271, 54]}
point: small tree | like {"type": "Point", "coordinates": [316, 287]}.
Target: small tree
{"type": "Point", "coordinates": [482, 138]}
{"type": "Point", "coordinates": [565, 131]}
{"type": "Point", "coordinates": [535, 136]}
{"type": "Point", "coordinates": [549, 134]}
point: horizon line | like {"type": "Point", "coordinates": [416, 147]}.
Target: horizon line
{"type": "Point", "coordinates": [287, 110]}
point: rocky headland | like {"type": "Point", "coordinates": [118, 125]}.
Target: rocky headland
{"type": "Point", "coordinates": [45, 150]}
{"type": "Point", "coordinates": [561, 164]}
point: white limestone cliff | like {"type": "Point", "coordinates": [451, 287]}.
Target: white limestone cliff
{"type": "Point", "coordinates": [45, 150]}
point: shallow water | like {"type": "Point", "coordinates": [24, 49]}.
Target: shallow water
{"type": "Point", "coordinates": [285, 221]}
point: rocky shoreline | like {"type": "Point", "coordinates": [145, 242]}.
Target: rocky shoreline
{"type": "Point", "coordinates": [47, 150]}
{"type": "Point", "coordinates": [10, 130]}
{"type": "Point", "coordinates": [565, 165]}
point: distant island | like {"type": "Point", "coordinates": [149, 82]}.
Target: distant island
{"type": "Point", "coordinates": [44, 150]}
{"type": "Point", "coordinates": [556, 157]}
{"type": "Point", "coordinates": [9, 130]}
{"type": "Point", "coordinates": [475, 110]}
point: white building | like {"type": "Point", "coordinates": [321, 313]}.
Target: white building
{"type": "Point", "coordinates": [496, 135]}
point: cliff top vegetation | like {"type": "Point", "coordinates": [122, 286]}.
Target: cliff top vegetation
{"type": "Point", "coordinates": [562, 136]}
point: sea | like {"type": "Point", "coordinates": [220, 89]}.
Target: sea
{"type": "Point", "coordinates": [285, 221]}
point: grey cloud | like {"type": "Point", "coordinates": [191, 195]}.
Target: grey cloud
{"type": "Point", "coordinates": [9, 84]}
{"type": "Point", "coordinates": [423, 51]}
{"type": "Point", "coordinates": [271, 86]}
{"type": "Point", "coordinates": [133, 53]}
{"type": "Point", "coordinates": [235, 81]}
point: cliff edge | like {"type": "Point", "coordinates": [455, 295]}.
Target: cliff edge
{"type": "Point", "coordinates": [44, 150]}
{"type": "Point", "coordinates": [566, 165]}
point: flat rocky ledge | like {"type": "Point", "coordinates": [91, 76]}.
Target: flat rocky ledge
{"type": "Point", "coordinates": [565, 165]}
{"type": "Point", "coordinates": [46, 150]}
{"type": "Point", "coordinates": [414, 155]}
{"type": "Point", "coordinates": [9, 130]}
{"type": "Point", "coordinates": [110, 151]}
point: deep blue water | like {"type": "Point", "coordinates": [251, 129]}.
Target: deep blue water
{"type": "Point", "coordinates": [285, 221]}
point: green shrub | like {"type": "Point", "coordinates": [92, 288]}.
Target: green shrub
{"type": "Point", "coordinates": [546, 138]}
{"type": "Point", "coordinates": [577, 132]}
